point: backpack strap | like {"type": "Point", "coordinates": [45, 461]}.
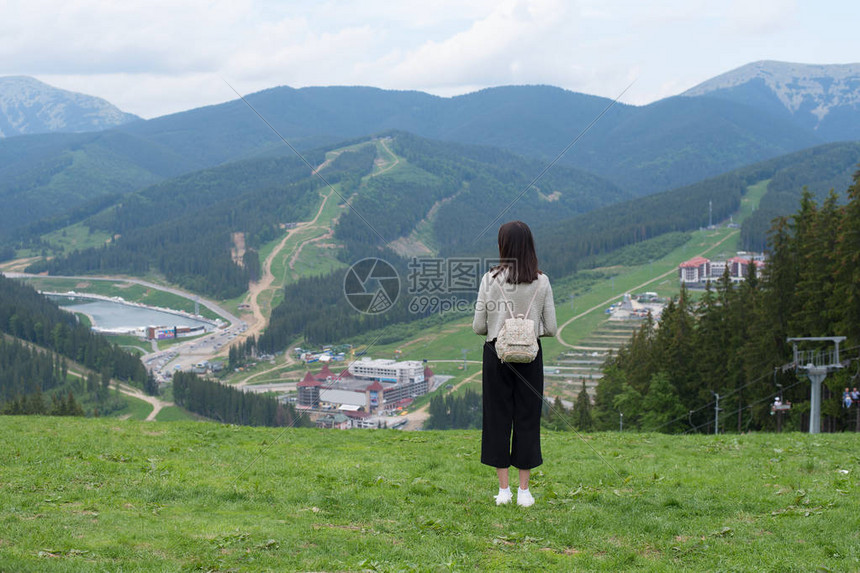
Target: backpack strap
{"type": "Point", "coordinates": [511, 306]}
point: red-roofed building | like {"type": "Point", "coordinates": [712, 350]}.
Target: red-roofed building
{"type": "Point", "coordinates": [699, 270]}
{"type": "Point", "coordinates": [309, 391]}
{"type": "Point", "coordinates": [308, 381]}
{"type": "Point", "coordinates": [375, 386]}
{"type": "Point", "coordinates": [324, 374]}
{"type": "Point", "coordinates": [694, 271]}
{"type": "Point", "coordinates": [739, 268]}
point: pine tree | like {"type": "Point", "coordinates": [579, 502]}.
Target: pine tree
{"type": "Point", "coordinates": [555, 416]}
{"type": "Point", "coordinates": [582, 410]}
{"type": "Point", "coordinates": [605, 416]}
{"type": "Point", "coordinates": [675, 346]}
{"type": "Point", "coordinates": [711, 344]}
{"type": "Point", "coordinates": [629, 403]}
{"type": "Point", "coordinates": [846, 294]}
{"type": "Point", "coordinates": [816, 282]}
{"type": "Point", "coordinates": [663, 411]}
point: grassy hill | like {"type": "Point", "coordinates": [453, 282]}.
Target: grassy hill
{"type": "Point", "coordinates": [125, 495]}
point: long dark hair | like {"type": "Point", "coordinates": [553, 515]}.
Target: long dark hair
{"type": "Point", "coordinates": [517, 253]}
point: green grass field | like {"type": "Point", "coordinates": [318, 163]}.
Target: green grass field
{"type": "Point", "coordinates": [131, 343]}
{"type": "Point", "coordinates": [90, 494]}
{"type": "Point", "coordinates": [135, 409]}
{"type": "Point", "coordinates": [68, 239]}
{"type": "Point", "coordinates": [173, 414]}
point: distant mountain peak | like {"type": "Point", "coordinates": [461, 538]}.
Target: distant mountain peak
{"type": "Point", "coordinates": [28, 106]}
{"type": "Point", "coordinates": [815, 89]}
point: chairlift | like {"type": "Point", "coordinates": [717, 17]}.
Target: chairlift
{"type": "Point", "coordinates": [780, 407]}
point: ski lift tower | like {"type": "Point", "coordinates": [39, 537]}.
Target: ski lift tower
{"type": "Point", "coordinates": [816, 364]}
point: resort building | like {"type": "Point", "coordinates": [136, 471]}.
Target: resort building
{"type": "Point", "coordinates": [698, 271]}
{"type": "Point", "coordinates": [371, 386]}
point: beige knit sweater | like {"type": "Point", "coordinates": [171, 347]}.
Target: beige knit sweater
{"type": "Point", "coordinates": [491, 308]}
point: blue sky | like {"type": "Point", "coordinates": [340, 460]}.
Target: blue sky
{"type": "Point", "coordinates": [158, 57]}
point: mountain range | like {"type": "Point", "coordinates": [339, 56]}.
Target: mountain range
{"type": "Point", "coordinates": [823, 98]}
{"type": "Point", "coordinates": [757, 112]}
{"type": "Point", "coordinates": [28, 106]}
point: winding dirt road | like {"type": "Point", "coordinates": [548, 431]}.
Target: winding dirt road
{"type": "Point", "coordinates": [260, 321]}
{"type": "Point", "coordinates": [156, 404]}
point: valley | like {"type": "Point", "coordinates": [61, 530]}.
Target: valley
{"type": "Point", "coordinates": [308, 248]}
{"type": "Point", "coordinates": [242, 250]}
{"type": "Point", "coordinates": [245, 230]}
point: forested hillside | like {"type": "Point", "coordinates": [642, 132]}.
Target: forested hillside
{"type": "Point", "coordinates": [733, 341]}
{"type": "Point", "coordinates": [27, 315]}
{"type": "Point", "coordinates": [565, 246]}
{"type": "Point", "coordinates": [821, 169]}
{"type": "Point", "coordinates": [29, 372]}
{"type": "Point", "coordinates": [469, 186]}
{"type": "Point", "coordinates": [669, 143]}
{"type": "Point", "coordinates": [230, 405]}
{"type": "Point", "coordinates": [642, 149]}
{"type": "Point", "coordinates": [183, 227]}
{"type": "Point", "coordinates": [43, 176]}
{"type": "Point", "coordinates": [26, 371]}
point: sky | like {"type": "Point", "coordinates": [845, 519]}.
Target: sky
{"type": "Point", "coordinates": [158, 57]}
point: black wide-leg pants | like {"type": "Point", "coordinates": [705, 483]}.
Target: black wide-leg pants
{"type": "Point", "coordinates": [513, 400]}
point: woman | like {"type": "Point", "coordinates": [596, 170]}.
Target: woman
{"type": "Point", "coordinates": [513, 393]}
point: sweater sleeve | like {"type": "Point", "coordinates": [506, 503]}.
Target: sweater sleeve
{"type": "Point", "coordinates": [548, 321]}
{"type": "Point", "coordinates": [479, 323]}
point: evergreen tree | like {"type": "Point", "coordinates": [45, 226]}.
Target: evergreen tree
{"type": "Point", "coordinates": [663, 411]}
{"type": "Point", "coordinates": [582, 410]}
{"type": "Point", "coordinates": [675, 347]}
{"type": "Point", "coordinates": [629, 403]}
{"type": "Point", "coordinates": [611, 385]}
{"type": "Point", "coordinates": [555, 416]}
{"type": "Point", "coordinates": [846, 292]}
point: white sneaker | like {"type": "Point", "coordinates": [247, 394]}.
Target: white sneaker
{"type": "Point", "coordinates": [524, 498]}
{"type": "Point", "coordinates": [504, 496]}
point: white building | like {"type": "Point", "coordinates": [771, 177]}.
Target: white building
{"type": "Point", "coordinates": [699, 270]}
{"type": "Point", "coordinates": [382, 370]}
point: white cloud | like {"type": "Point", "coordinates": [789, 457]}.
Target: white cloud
{"type": "Point", "coordinates": [163, 56]}
{"type": "Point", "coordinates": [526, 41]}
{"type": "Point", "coordinates": [762, 17]}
